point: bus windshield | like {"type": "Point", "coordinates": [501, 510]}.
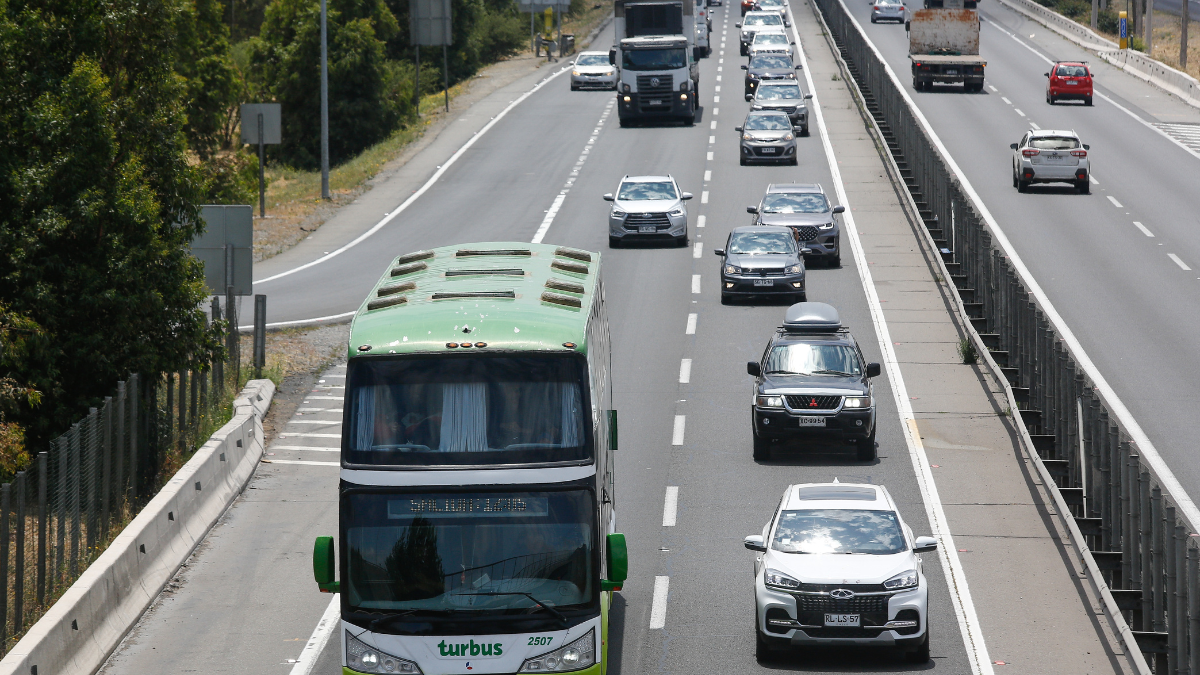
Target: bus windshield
{"type": "Point", "coordinates": [475, 410]}
{"type": "Point", "coordinates": [469, 556]}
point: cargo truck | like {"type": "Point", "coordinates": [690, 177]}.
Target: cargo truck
{"type": "Point", "coordinates": [943, 46]}
{"type": "Point", "coordinates": [656, 55]}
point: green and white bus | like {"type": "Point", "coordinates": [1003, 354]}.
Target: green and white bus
{"type": "Point", "coordinates": [476, 501]}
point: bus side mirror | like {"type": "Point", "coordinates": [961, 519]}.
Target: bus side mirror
{"type": "Point", "coordinates": [324, 565]}
{"type": "Point", "coordinates": [612, 430]}
{"type": "Point", "coordinates": [616, 554]}
{"type": "Point", "coordinates": [872, 370]}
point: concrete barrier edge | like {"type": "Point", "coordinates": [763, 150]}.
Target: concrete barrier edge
{"type": "Point", "coordinates": [85, 625]}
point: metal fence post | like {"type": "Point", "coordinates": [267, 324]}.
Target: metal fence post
{"type": "Point", "coordinates": [1170, 588]}
{"type": "Point", "coordinates": [135, 404]}
{"type": "Point", "coordinates": [1156, 559]}
{"type": "Point", "coordinates": [106, 468]}
{"type": "Point", "coordinates": [73, 469]}
{"type": "Point", "coordinates": [218, 369]}
{"type": "Point", "coordinates": [1193, 575]}
{"type": "Point", "coordinates": [19, 558]}
{"type": "Point", "coordinates": [194, 378]}
{"type": "Point", "coordinates": [169, 418]}
{"type": "Point", "coordinates": [1179, 627]}
{"type": "Point", "coordinates": [183, 377]}
{"type": "Point", "coordinates": [43, 468]}
{"type": "Point", "coordinates": [260, 334]}
{"type": "Point", "coordinates": [231, 339]}
{"type": "Point", "coordinates": [88, 474]}
{"type": "Point", "coordinates": [5, 509]}
{"type": "Point", "coordinates": [1147, 561]}
{"type": "Point", "coordinates": [61, 451]}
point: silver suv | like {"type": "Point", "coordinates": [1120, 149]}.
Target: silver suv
{"type": "Point", "coordinates": [1051, 156]}
{"type": "Point", "coordinates": [804, 208]}
{"type": "Point", "coordinates": [647, 208]}
{"type": "Point", "coordinates": [756, 21]}
{"type": "Point", "coordinates": [784, 96]}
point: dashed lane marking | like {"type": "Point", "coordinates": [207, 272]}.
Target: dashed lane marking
{"type": "Point", "coordinates": [691, 325]}
{"type": "Point", "coordinates": [685, 371]}
{"type": "Point", "coordinates": [1145, 230]}
{"type": "Point", "coordinates": [695, 283]}
{"type": "Point", "coordinates": [670, 506]}
{"type": "Point", "coordinates": [1115, 202]}
{"type": "Point", "coordinates": [677, 430]}
{"type": "Point", "coordinates": [1182, 265]}
{"type": "Point", "coordinates": [658, 606]}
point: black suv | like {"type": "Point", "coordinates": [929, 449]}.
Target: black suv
{"type": "Point", "coordinates": [813, 382]}
{"type": "Point", "coordinates": [804, 208]}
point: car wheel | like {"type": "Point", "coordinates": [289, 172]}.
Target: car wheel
{"type": "Point", "coordinates": [681, 241]}
{"type": "Point", "coordinates": [614, 242]}
{"type": "Point", "coordinates": [762, 651]}
{"type": "Point", "coordinates": [866, 449]}
{"type": "Point", "coordinates": [1022, 186]}
{"type": "Point", "coordinates": [1015, 179]}
{"type": "Point", "coordinates": [726, 299]}
{"type": "Point", "coordinates": [742, 161]}
{"type": "Point", "coordinates": [920, 654]}
{"type": "Point", "coordinates": [1052, 99]}
{"type": "Point", "coordinates": [762, 449]}
{"type": "Point", "coordinates": [795, 161]}
{"type": "Point", "coordinates": [624, 122]}
{"type": "Point", "coordinates": [799, 297]}
{"type": "Point", "coordinates": [1048, 97]}
{"type": "Point", "coordinates": [835, 260]}
{"type": "Point", "coordinates": [1087, 100]}
{"type": "Point", "coordinates": [1084, 187]}
{"type": "Point", "coordinates": [574, 87]}
{"type": "Point", "coordinates": [873, 20]}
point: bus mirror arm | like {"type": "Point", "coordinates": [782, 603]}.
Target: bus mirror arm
{"type": "Point", "coordinates": [324, 565]}
{"type": "Point", "coordinates": [617, 556]}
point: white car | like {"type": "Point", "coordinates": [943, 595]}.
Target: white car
{"type": "Point", "coordinates": [887, 10]}
{"type": "Point", "coordinates": [771, 42]}
{"type": "Point", "coordinates": [756, 21]}
{"type": "Point", "coordinates": [838, 566]}
{"type": "Point", "coordinates": [1051, 156]}
{"type": "Point", "coordinates": [592, 70]}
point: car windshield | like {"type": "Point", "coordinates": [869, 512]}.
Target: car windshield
{"type": "Point", "coordinates": [777, 202]}
{"type": "Point", "coordinates": [770, 3]}
{"type": "Point", "coordinates": [839, 531]}
{"type": "Point", "coordinates": [803, 358]}
{"type": "Point", "coordinates": [474, 410]}
{"type": "Point", "coordinates": [636, 192]}
{"type": "Point", "coordinates": [1071, 71]}
{"type": "Point", "coordinates": [592, 60]}
{"type": "Point", "coordinates": [768, 19]}
{"type": "Point", "coordinates": [771, 61]}
{"type": "Point", "coordinates": [761, 243]}
{"type": "Point", "coordinates": [779, 92]}
{"type": "Point", "coordinates": [469, 553]}
{"type": "Point", "coordinates": [653, 59]}
{"type": "Point", "coordinates": [778, 122]}
{"type": "Point", "coordinates": [1053, 143]}
{"type": "Point", "coordinates": [770, 39]}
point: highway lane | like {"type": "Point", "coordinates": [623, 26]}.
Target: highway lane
{"type": "Point", "coordinates": [1131, 298]}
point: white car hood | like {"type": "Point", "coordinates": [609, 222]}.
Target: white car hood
{"type": "Point", "coordinates": [594, 70]}
{"type": "Point", "coordinates": [647, 206]}
{"type": "Point", "coordinates": [830, 568]}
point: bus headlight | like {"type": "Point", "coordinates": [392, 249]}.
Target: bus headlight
{"type": "Point", "coordinates": [575, 656]}
{"type": "Point", "coordinates": [366, 659]}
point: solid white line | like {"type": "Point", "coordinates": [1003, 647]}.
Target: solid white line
{"type": "Point", "coordinates": [303, 447]}
{"type": "Point", "coordinates": [316, 410]}
{"type": "Point", "coordinates": [294, 434]}
{"type": "Point", "coordinates": [316, 643]}
{"type": "Point", "coordinates": [1115, 202]}
{"type": "Point", "coordinates": [424, 188]}
{"type": "Point", "coordinates": [658, 606]}
{"type": "Point", "coordinates": [1183, 266]}
{"type": "Point", "coordinates": [324, 398]}
{"type": "Point", "coordinates": [698, 249]}
{"type": "Point", "coordinates": [700, 221]}
{"type": "Point", "coordinates": [704, 197]}
{"type": "Point", "coordinates": [685, 371]}
{"type": "Point", "coordinates": [695, 283]}
{"type": "Point", "coordinates": [1145, 230]}
{"type": "Point", "coordinates": [677, 432]}
{"type": "Point", "coordinates": [956, 580]}
{"type": "Point", "coordinates": [558, 202]}
{"type": "Point", "coordinates": [304, 462]}
{"type": "Point", "coordinates": [670, 506]}
{"type": "Point", "coordinates": [327, 423]}
{"type": "Point", "coordinates": [691, 325]}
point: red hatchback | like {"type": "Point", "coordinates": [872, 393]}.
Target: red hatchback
{"type": "Point", "coordinates": [1069, 80]}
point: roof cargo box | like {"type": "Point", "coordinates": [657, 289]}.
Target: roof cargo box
{"type": "Point", "coordinates": [811, 317]}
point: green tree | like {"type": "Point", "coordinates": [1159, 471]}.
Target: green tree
{"type": "Point", "coordinates": [20, 339]}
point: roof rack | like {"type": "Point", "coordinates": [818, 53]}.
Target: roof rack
{"type": "Point", "coordinates": [811, 317]}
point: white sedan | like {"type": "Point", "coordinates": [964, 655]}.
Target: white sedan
{"type": "Point", "coordinates": [837, 565]}
{"type": "Point", "coordinates": [593, 71]}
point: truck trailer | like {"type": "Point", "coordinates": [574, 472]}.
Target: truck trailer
{"type": "Point", "coordinates": [943, 46]}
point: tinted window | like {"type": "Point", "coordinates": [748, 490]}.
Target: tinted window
{"type": "Point", "coordinates": [779, 92]}
{"type": "Point", "coordinates": [771, 61]}
{"type": "Point", "coordinates": [1071, 71]}
{"type": "Point", "coordinates": [812, 359]}
{"type": "Point", "coordinates": [768, 123]}
{"type": "Point", "coordinates": [592, 60]}
{"type": "Point", "coordinates": [643, 191]}
{"type": "Point", "coordinates": [762, 242]}
{"type": "Point", "coordinates": [763, 20]}
{"type": "Point", "coordinates": [770, 39]}
{"type": "Point", "coordinates": [653, 59]}
{"type": "Point", "coordinates": [776, 202]}
{"type": "Point", "coordinates": [1053, 143]}
{"type": "Point", "coordinates": [839, 531]}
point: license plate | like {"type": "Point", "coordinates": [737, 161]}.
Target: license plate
{"type": "Point", "coordinates": [764, 282]}
{"type": "Point", "coordinates": [815, 422]}
{"type": "Point", "coordinates": [768, 151]}
{"type": "Point", "coordinates": [843, 620]}
{"type": "Point", "coordinates": [656, 102]}
{"type": "Point", "coordinates": [1071, 82]}
{"type": "Point", "coordinates": [647, 229]}
{"type": "Point", "coordinates": [952, 71]}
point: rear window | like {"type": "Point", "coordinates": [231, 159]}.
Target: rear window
{"type": "Point", "coordinates": [1071, 71]}
{"type": "Point", "coordinates": [1053, 143]}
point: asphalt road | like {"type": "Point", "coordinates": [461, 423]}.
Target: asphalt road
{"type": "Point", "coordinates": [501, 190]}
{"type": "Point", "coordinates": [1122, 265]}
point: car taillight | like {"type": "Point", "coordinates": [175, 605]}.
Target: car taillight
{"type": "Point", "coordinates": [876, 8]}
{"type": "Point", "coordinates": [1079, 153]}
{"type": "Point", "coordinates": [1030, 152]}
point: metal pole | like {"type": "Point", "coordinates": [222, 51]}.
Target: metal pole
{"type": "Point", "coordinates": [1149, 26]}
{"type": "Point", "coordinates": [260, 334]}
{"type": "Point", "coordinates": [119, 446]}
{"type": "Point", "coordinates": [417, 82]}
{"type": "Point", "coordinates": [1183, 49]}
{"type": "Point", "coordinates": [19, 557]}
{"type": "Point", "coordinates": [231, 340]}
{"type": "Point", "coordinates": [446, 75]}
{"type": "Point", "coordinates": [1095, 14]}
{"type": "Point", "coordinates": [1193, 577]}
{"type": "Point", "coordinates": [135, 404]}
{"type": "Point", "coordinates": [262, 198]}
{"type": "Point", "coordinates": [43, 467]}
{"type": "Point", "coordinates": [218, 368]}
{"type": "Point", "coordinates": [5, 504]}
{"type": "Point", "coordinates": [324, 110]}
{"type": "Point", "coordinates": [558, 26]}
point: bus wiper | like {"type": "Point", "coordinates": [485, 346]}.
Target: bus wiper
{"type": "Point", "coordinates": [562, 618]}
{"type": "Point", "coordinates": [388, 618]}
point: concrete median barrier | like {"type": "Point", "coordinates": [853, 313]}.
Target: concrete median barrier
{"type": "Point", "coordinates": [87, 623]}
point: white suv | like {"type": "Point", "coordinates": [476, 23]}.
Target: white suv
{"type": "Point", "coordinates": [1051, 156]}
{"type": "Point", "coordinates": [837, 565]}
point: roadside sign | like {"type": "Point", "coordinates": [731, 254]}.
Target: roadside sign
{"type": "Point", "coordinates": [270, 123]}
{"type": "Point", "coordinates": [1123, 18]}
{"type": "Point", "coordinates": [430, 22]}
{"type": "Point", "coordinates": [226, 248]}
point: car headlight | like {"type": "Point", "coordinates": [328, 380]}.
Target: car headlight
{"type": "Point", "coordinates": [777, 579]}
{"type": "Point", "coordinates": [794, 269]}
{"type": "Point", "coordinates": [788, 137]}
{"type": "Point", "coordinates": [747, 137]}
{"type": "Point", "coordinates": [769, 401]}
{"type": "Point", "coordinates": [575, 73]}
{"type": "Point", "coordinates": [575, 656]}
{"type": "Point", "coordinates": [675, 212]}
{"type": "Point", "coordinates": [826, 226]}
{"type": "Point", "coordinates": [791, 76]}
{"type": "Point", "coordinates": [366, 659]}
{"type": "Point", "coordinates": [906, 579]}
{"type": "Point", "coordinates": [732, 269]}
{"type": "Point", "coordinates": [858, 402]}
{"type": "Point", "coordinates": [757, 107]}
{"type": "Point", "coordinates": [617, 213]}
{"type": "Point", "coordinates": [754, 76]}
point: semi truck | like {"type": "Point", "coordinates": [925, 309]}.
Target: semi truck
{"type": "Point", "coordinates": [656, 55]}
{"type": "Point", "coordinates": [943, 45]}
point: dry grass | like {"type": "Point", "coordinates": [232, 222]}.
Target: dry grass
{"type": "Point", "coordinates": [1167, 32]}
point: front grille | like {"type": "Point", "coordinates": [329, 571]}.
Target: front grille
{"type": "Point", "coordinates": [646, 88]}
{"type": "Point", "coordinates": [857, 588]}
{"type": "Point", "coordinates": [635, 220]}
{"type": "Point", "coordinates": [772, 272]}
{"type": "Point", "coordinates": [804, 402]}
{"type": "Point", "coordinates": [806, 232]}
{"type": "Point", "coordinates": [783, 109]}
{"type": "Point", "coordinates": [776, 152]}
{"type": "Point", "coordinates": [863, 604]}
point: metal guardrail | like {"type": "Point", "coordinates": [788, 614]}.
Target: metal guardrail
{"type": "Point", "coordinates": [1132, 523]}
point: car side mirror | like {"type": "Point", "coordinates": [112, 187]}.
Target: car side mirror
{"type": "Point", "coordinates": [719, 252]}
{"type": "Point", "coordinates": [755, 543]}
{"type": "Point", "coordinates": [921, 545]}
{"type": "Point", "coordinates": [608, 197]}
{"type": "Point", "coordinates": [807, 96]}
{"type": "Point", "coordinates": [685, 196]}
{"type": "Point", "coordinates": [799, 67]}
{"type": "Point", "coordinates": [873, 370]}
{"type": "Point", "coordinates": [806, 251]}
{"type": "Point", "coordinates": [616, 554]}
{"type": "Point", "coordinates": [1046, 74]}
{"type": "Point", "coordinates": [839, 209]}
{"type": "Point", "coordinates": [738, 129]}
{"type": "Point", "coordinates": [793, 44]}
{"type": "Point", "coordinates": [1013, 146]}
{"type": "Point", "coordinates": [737, 25]}
{"type": "Point", "coordinates": [789, 25]}
{"type": "Point", "coordinates": [1086, 146]}
{"type": "Point", "coordinates": [751, 209]}
{"type": "Point", "coordinates": [753, 369]}
{"type": "Point", "coordinates": [745, 67]}
{"type": "Point", "coordinates": [324, 565]}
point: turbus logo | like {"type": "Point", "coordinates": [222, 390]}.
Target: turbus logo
{"type": "Point", "coordinates": [471, 648]}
